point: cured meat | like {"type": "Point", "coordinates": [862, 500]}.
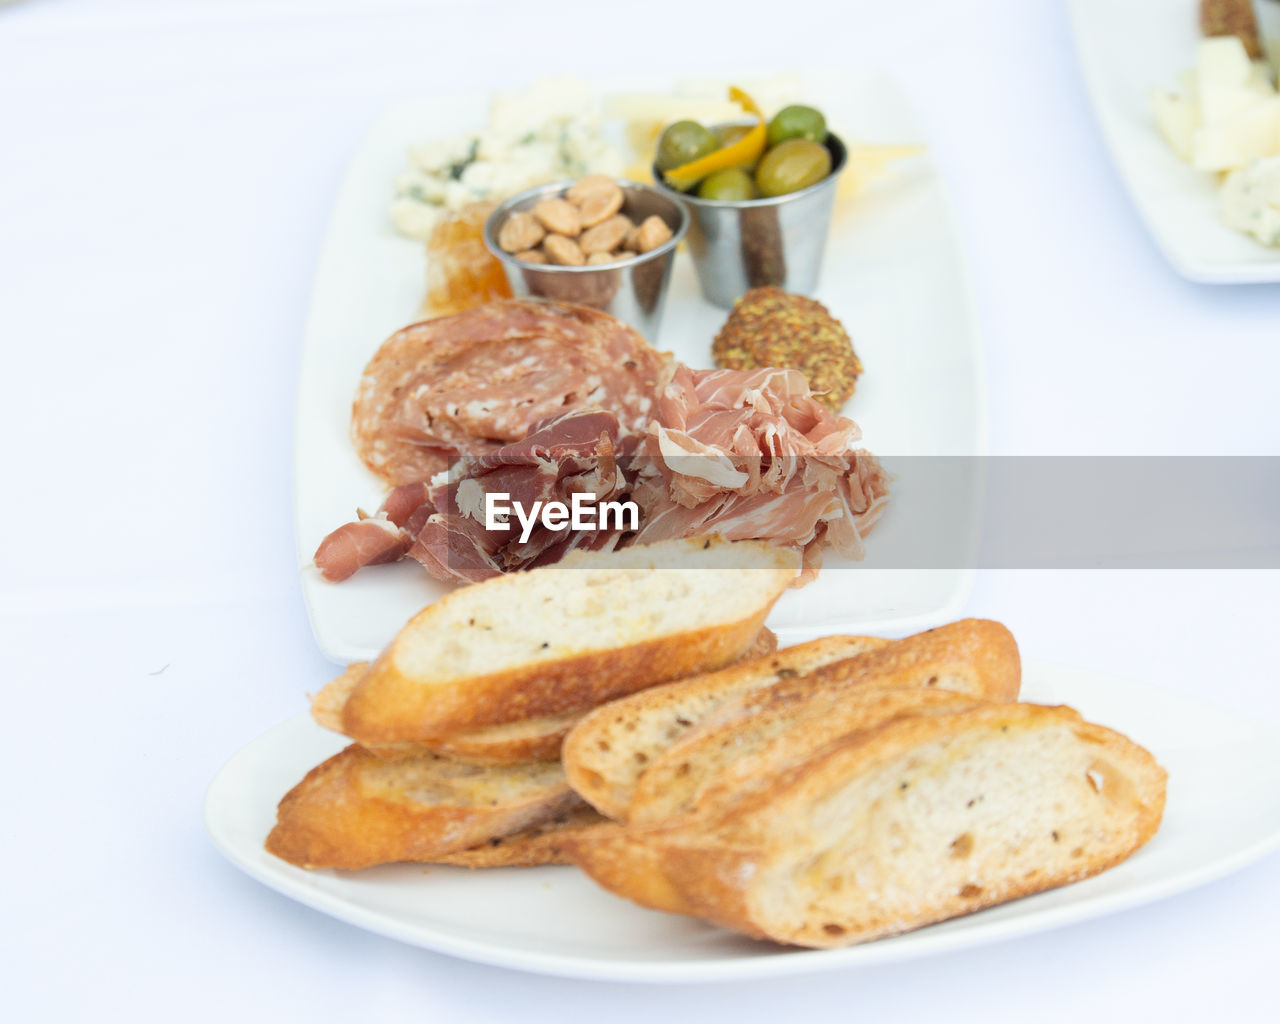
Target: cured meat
{"type": "Point", "coordinates": [373, 540]}
{"type": "Point", "coordinates": [751, 454]}
{"type": "Point", "coordinates": [574, 453]}
{"type": "Point", "coordinates": [474, 382]}
{"type": "Point", "coordinates": [352, 546]}
{"type": "Point", "coordinates": [404, 500]}
{"type": "Point", "coordinates": [441, 523]}
{"type": "Point", "coordinates": [541, 400]}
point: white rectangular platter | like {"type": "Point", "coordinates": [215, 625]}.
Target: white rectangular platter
{"type": "Point", "coordinates": [1125, 47]}
{"type": "Point", "coordinates": [892, 274]}
{"type": "Point", "coordinates": [1223, 811]}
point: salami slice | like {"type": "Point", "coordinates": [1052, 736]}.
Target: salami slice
{"type": "Point", "coordinates": [473, 382]}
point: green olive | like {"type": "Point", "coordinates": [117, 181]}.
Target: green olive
{"type": "Point", "coordinates": [682, 143]}
{"type": "Point", "coordinates": [731, 185]}
{"type": "Point", "coordinates": [791, 166]}
{"type": "Point", "coordinates": [797, 122]}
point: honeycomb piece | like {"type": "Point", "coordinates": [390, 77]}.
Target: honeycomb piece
{"type": "Point", "coordinates": [461, 272]}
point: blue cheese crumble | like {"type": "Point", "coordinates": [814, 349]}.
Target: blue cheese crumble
{"type": "Point", "coordinates": [548, 133]}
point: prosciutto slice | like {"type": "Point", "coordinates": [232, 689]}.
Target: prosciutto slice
{"type": "Point", "coordinates": [751, 454]}
{"type": "Point", "coordinates": [442, 523]}
{"type": "Point", "coordinates": [374, 540]}
{"type": "Point", "coordinates": [480, 380]}
{"type": "Point", "coordinates": [573, 453]}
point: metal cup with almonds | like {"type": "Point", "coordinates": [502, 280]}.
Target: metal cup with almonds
{"type": "Point", "coordinates": [597, 242]}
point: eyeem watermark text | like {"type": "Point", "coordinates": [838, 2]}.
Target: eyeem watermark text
{"type": "Point", "coordinates": [583, 512]}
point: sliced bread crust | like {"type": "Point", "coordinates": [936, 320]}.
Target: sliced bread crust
{"type": "Point", "coordinates": [540, 739]}
{"type": "Point", "coordinates": [541, 643]}
{"type": "Point", "coordinates": [606, 753]}
{"type": "Point", "coordinates": [534, 739]}
{"type": "Point", "coordinates": [511, 743]}
{"type": "Point", "coordinates": [733, 756]}
{"type": "Point", "coordinates": [753, 736]}
{"type": "Point", "coordinates": [923, 819]}
{"type": "Point", "coordinates": [356, 810]}
{"type": "Point", "coordinates": [610, 750]}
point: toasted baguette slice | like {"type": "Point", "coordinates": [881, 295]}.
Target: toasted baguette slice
{"type": "Point", "coordinates": [540, 739]}
{"type": "Point", "coordinates": [620, 848]}
{"type": "Point", "coordinates": [920, 820]}
{"type": "Point", "coordinates": [610, 748]}
{"type": "Point", "coordinates": [534, 739]}
{"type": "Point", "coordinates": [541, 844]}
{"type": "Point", "coordinates": [356, 810]}
{"type": "Point", "coordinates": [733, 756]}
{"type": "Point", "coordinates": [596, 625]}
{"type": "Point", "coordinates": [978, 657]}
{"type": "Point", "coordinates": [757, 734]}
{"type": "Point", "coordinates": [606, 754]}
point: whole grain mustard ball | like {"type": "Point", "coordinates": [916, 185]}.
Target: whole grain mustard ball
{"type": "Point", "coordinates": [770, 327]}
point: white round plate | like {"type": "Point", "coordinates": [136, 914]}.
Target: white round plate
{"type": "Point", "coordinates": [1223, 812]}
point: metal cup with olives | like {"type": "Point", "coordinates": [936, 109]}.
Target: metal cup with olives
{"type": "Point", "coordinates": [760, 201]}
{"type": "Point", "coordinates": [794, 156]}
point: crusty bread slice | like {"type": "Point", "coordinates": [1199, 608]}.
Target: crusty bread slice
{"type": "Point", "coordinates": [922, 819]}
{"type": "Point", "coordinates": [535, 846]}
{"type": "Point", "coordinates": [540, 739]}
{"type": "Point", "coordinates": [733, 756]}
{"type": "Point", "coordinates": [618, 849]}
{"type": "Point", "coordinates": [978, 657]}
{"type": "Point", "coordinates": [595, 626]}
{"type": "Point", "coordinates": [610, 748]}
{"type": "Point", "coordinates": [608, 751]}
{"type": "Point", "coordinates": [756, 734]}
{"type": "Point", "coordinates": [355, 809]}
{"type": "Point", "coordinates": [534, 739]}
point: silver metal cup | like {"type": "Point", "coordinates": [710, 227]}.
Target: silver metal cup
{"type": "Point", "coordinates": [634, 290]}
{"type": "Point", "coordinates": [754, 242]}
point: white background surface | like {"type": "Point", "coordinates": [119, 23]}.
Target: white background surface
{"type": "Point", "coordinates": [166, 170]}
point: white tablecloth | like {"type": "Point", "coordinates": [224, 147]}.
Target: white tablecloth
{"type": "Point", "coordinates": [166, 170]}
